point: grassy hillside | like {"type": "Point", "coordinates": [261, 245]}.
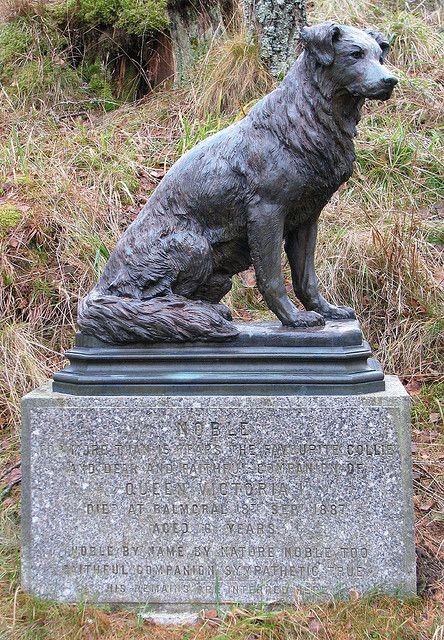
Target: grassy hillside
{"type": "Point", "coordinates": [76, 164]}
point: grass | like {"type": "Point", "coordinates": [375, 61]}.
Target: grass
{"type": "Point", "coordinates": [230, 76]}
{"type": "Point", "coordinates": [73, 175]}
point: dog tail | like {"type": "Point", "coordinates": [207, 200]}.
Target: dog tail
{"type": "Point", "coordinates": [168, 318]}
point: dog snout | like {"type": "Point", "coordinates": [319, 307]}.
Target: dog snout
{"type": "Point", "coordinates": [390, 81]}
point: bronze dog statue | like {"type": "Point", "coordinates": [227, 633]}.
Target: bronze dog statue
{"type": "Point", "coordinates": [233, 199]}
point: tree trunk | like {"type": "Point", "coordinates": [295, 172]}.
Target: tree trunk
{"type": "Point", "coordinates": [276, 25]}
{"type": "Point", "coordinates": [193, 24]}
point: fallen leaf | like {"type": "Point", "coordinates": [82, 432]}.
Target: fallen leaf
{"type": "Point", "coordinates": [210, 614]}
{"type": "Point", "coordinates": [439, 208]}
{"type": "Point", "coordinates": [426, 505]}
{"type": "Point", "coordinates": [248, 278]}
{"type": "Point", "coordinates": [439, 277]}
{"type": "Point", "coordinates": [156, 173]}
{"type": "Point", "coordinates": [315, 626]}
{"type": "Point", "coordinates": [22, 207]}
{"type": "Point", "coordinates": [413, 387]}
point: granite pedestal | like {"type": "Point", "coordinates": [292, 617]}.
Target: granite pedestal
{"type": "Point", "coordinates": [199, 499]}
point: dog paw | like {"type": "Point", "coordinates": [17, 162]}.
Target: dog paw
{"type": "Point", "coordinates": [338, 313]}
{"type": "Point", "coordinates": [306, 319]}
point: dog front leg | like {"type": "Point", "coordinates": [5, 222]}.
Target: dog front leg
{"type": "Point", "coordinates": [300, 246]}
{"type": "Point", "coordinates": [265, 235]}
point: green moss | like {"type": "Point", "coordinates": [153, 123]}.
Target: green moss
{"type": "Point", "coordinates": [97, 76]}
{"type": "Point", "coordinates": [7, 278]}
{"type": "Point", "coordinates": [15, 43]}
{"type": "Point", "coordinates": [33, 63]}
{"type": "Point", "coordinates": [60, 13]}
{"type": "Point", "coordinates": [136, 17]}
{"type": "Point", "coordinates": [39, 62]}
{"type": "Point", "coordinates": [10, 216]}
{"type": "Point", "coordinates": [29, 38]}
{"type": "Point", "coordinates": [140, 16]}
{"type": "Point", "coordinates": [36, 68]}
{"type": "Point", "coordinates": [98, 11]}
{"type": "Point", "coordinates": [46, 80]}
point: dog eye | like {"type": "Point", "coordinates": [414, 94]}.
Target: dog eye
{"type": "Point", "coordinates": [357, 54]}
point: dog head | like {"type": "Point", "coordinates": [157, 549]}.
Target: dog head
{"type": "Point", "coordinates": [352, 59]}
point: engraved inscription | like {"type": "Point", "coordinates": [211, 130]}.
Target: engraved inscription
{"type": "Point", "coordinates": [221, 504]}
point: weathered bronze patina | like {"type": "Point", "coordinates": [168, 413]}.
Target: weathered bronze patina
{"type": "Point", "coordinates": [232, 200]}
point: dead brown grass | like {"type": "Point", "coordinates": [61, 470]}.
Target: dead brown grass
{"type": "Point", "coordinates": [73, 183]}
{"type": "Point", "coordinates": [230, 76]}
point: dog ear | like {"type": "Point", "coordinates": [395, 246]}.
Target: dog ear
{"type": "Point", "coordinates": [319, 40]}
{"type": "Point", "coordinates": [381, 39]}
